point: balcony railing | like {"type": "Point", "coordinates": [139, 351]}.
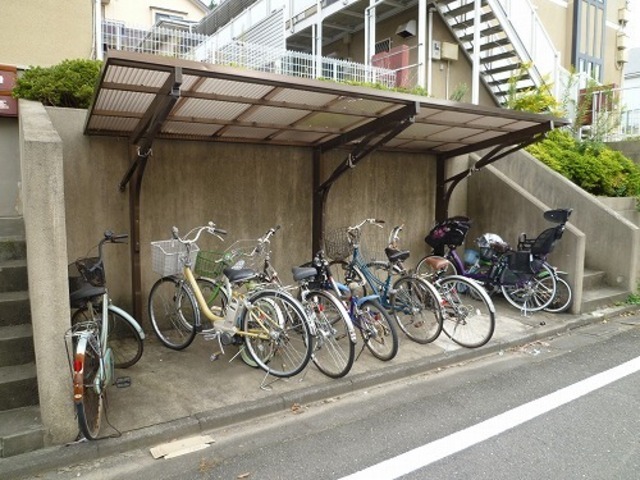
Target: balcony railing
{"type": "Point", "coordinates": [182, 43]}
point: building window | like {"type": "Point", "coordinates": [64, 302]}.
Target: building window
{"type": "Point", "coordinates": [589, 17]}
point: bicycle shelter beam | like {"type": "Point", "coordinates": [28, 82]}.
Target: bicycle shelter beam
{"type": "Point", "coordinates": [143, 135]}
{"type": "Point", "coordinates": [389, 126]}
{"type": "Point", "coordinates": [516, 142]}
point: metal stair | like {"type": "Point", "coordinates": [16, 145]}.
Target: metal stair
{"type": "Point", "coordinates": [503, 55]}
{"type": "Point", "coordinates": [20, 427]}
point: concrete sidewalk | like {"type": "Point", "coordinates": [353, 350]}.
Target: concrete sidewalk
{"type": "Point", "coordinates": [175, 394]}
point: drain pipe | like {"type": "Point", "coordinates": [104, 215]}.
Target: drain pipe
{"type": "Point", "coordinates": [97, 19]}
{"type": "Point", "coordinates": [430, 50]}
{"type": "Point", "coordinates": [370, 30]}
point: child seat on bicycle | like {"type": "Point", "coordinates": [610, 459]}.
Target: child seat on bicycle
{"type": "Point", "coordinates": [451, 231]}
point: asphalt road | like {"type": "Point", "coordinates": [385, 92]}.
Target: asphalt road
{"type": "Point", "coordinates": [534, 412]}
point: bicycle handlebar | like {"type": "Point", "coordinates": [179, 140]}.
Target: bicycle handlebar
{"type": "Point", "coordinates": [372, 221]}
{"type": "Point", "coordinates": [209, 228]}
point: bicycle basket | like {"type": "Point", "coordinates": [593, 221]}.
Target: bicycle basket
{"type": "Point", "coordinates": [91, 270]}
{"type": "Point", "coordinates": [210, 264]}
{"type": "Point", "coordinates": [169, 256]}
{"type": "Point", "coordinates": [451, 231]}
{"type": "Point", "coordinates": [337, 244]}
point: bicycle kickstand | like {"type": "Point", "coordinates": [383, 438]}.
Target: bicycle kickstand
{"type": "Point", "coordinates": [215, 355]}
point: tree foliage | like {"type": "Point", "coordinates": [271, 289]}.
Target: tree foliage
{"type": "Point", "coordinates": [592, 166]}
{"type": "Point", "coordinates": [70, 83]}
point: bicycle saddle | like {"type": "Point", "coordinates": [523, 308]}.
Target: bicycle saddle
{"type": "Point", "coordinates": [83, 293]}
{"type": "Point", "coordinates": [240, 274]}
{"type": "Point", "coordinates": [396, 255]}
{"type": "Point", "coordinates": [301, 273]}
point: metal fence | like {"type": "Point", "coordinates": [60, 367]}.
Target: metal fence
{"type": "Point", "coordinates": [184, 43]}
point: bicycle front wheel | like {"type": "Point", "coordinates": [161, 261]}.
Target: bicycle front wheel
{"type": "Point", "coordinates": [173, 313]}
{"type": "Point", "coordinates": [88, 387]}
{"type": "Point", "coordinates": [276, 333]}
{"type": "Point", "coordinates": [468, 313]}
{"type": "Point", "coordinates": [562, 299]}
{"type": "Point", "coordinates": [530, 292]}
{"type": "Point", "coordinates": [416, 307]}
{"type": "Point", "coordinates": [333, 350]}
{"type": "Point", "coordinates": [377, 330]}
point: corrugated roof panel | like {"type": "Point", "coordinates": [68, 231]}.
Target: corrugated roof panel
{"type": "Point", "coordinates": [304, 97]}
{"type": "Point", "coordinates": [414, 145]}
{"type": "Point", "coordinates": [304, 137]}
{"type": "Point", "coordinates": [519, 125]}
{"type": "Point", "coordinates": [454, 117]}
{"type": "Point", "coordinates": [198, 108]}
{"type": "Point", "coordinates": [247, 132]}
{"type": "Point", "coordinates": [279, 116]}
{"type": "Point", "coordinates": [136, 76]}
{"type": "Point", "coordinates": [361, 105]}
{"type": "Point", "coordinates": [233, 89]}
{"type": "Point", "coordinates": [422, 130]}
{"type": "Point", "coordinates": [187, 128]}
{"type": "Point", "coordinates": [330, 120]}
{"type": "Point", "coordinates": [490, 122]}
{"type": "Point", "coordinates": [101, 124]}
{"type": "Point", "coordinates": [123, 101]}
{"type": "Point", "coordinates": [453, 134]}
{"type": "Point", "coordinates": [483, 136]}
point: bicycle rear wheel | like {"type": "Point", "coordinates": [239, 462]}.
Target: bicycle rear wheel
{"type": "Point", "coordinates": [123, 339]}
{"type": "Point", "coordinates": [88, 388]}
{"type": "Point", "coordinates": [468, 313]}
{"type": "Point", "coordinates": [173, 313]}
{"type": "Point", "coordinates": [276, 333]}
{"type": "Point", "coordinates": [562, 299]}
{"type": "Point", "coordinates": [416, 307]}
{"type": "Point", "coordinates": [333, 350]}
{"type": "Point", "coordinates": [377, 330]}
{"type": "Point", "coordinates": [530, 292]}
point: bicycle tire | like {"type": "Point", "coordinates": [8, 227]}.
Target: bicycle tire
{"type": "Point", "coordinates": [123, 338]}
{"type": "Point", "coordinates": [173, 313]}
{"type": "Point", "coordinates": [377, 330]}
{"type": "Point", "coordinates": [468, 312]}
{"type": "Point", "coordinates": [415, 305]}
{"type": "Point", "coordinates": [276, 332]}
{"type": "Point", "coordinates": [426, 271]}
{"type": "Point", "coordinates": [563, 297]}
{"type": "Point", "coordinates": [532, 292]}
{"type": "Point", "coordinates": [333, 351]}
{"type": "Point", "coordinates": [88, 390]}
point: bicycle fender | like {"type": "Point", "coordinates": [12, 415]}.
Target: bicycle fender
{"type": "Point", "coordinates": [128, 318]}
{"type": "Point", "coordinates": [360, 301]}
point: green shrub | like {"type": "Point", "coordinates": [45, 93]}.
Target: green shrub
{"type": "Point", "coordinates": [71, 83]}
{"type": "Point", "coordinates": [592, 166]}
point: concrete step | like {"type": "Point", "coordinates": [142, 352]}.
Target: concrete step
{"type": "Point", "coordinates": [16, 345]}
{"type": "Point", "coordinates": [593, 279]}
{"type": "Point", "coordinates": [595, 298]}
{"type": "Point", "coordinates": [13, 275]}
{"type": "Point", "coordinates": [18, 386]}
{"type": "Point", "coordinates": [13, 248]}
{"type": "Point", "coordinates": [14, 308]}
{"type": "Point", "coordinates": [21, 431]}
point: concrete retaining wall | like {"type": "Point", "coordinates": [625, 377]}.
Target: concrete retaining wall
{"type": "Point", "coordinates": [613, 244]}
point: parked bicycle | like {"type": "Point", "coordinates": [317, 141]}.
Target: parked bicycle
{"type": "Point", "coordinates": [103, 337]}
{"type": "Point", "coordinates": [269, 323]}
{"type": "Point", "coordinates": [414, 303]}
{"type": "Point", "coordinates": [332, 331]}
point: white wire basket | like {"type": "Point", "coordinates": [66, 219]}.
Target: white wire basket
{"type": "Point", "coordinates": [169, 256]}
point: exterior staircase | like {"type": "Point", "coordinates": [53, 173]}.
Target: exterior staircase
{"type": "Point", "coordinates": [503, 53]}
{"type": "Point", "coordinates": [20, 427]}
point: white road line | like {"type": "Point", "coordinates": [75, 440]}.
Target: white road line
{"type": "Point", "coordinates": [456, 442]}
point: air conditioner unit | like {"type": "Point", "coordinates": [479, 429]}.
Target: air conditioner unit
{"type": "Point", "coordinates": [406, 30]}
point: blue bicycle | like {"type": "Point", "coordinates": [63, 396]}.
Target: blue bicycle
{"type": "Point", "coordinates": [414, 302]}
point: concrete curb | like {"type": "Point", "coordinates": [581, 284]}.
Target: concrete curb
{"type": "Point", "coordinates": [29, 464]}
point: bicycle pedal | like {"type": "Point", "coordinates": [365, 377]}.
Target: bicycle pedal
{"type": "Point", "coordinates": [215, 356]}
{"type": "Point", "coordinates": [123, 382]}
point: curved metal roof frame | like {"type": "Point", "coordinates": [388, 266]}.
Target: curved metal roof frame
{"type": "Point", "coordinates": [219, 103]}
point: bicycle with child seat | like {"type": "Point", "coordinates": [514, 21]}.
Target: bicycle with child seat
{"type": "Point", "coordinates": [268, 323]}
{"type": "Point", "coordinates": [102, 338]}
{"type": "Point", "coordinates": [414, 303]}
{"type": "Point", "coordinates": [523, 276]}
{"type": "Point", "coordinates": [332, 331]}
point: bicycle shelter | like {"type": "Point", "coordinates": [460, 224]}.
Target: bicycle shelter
{"type": "Point", "coordinates": [144, 97]}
